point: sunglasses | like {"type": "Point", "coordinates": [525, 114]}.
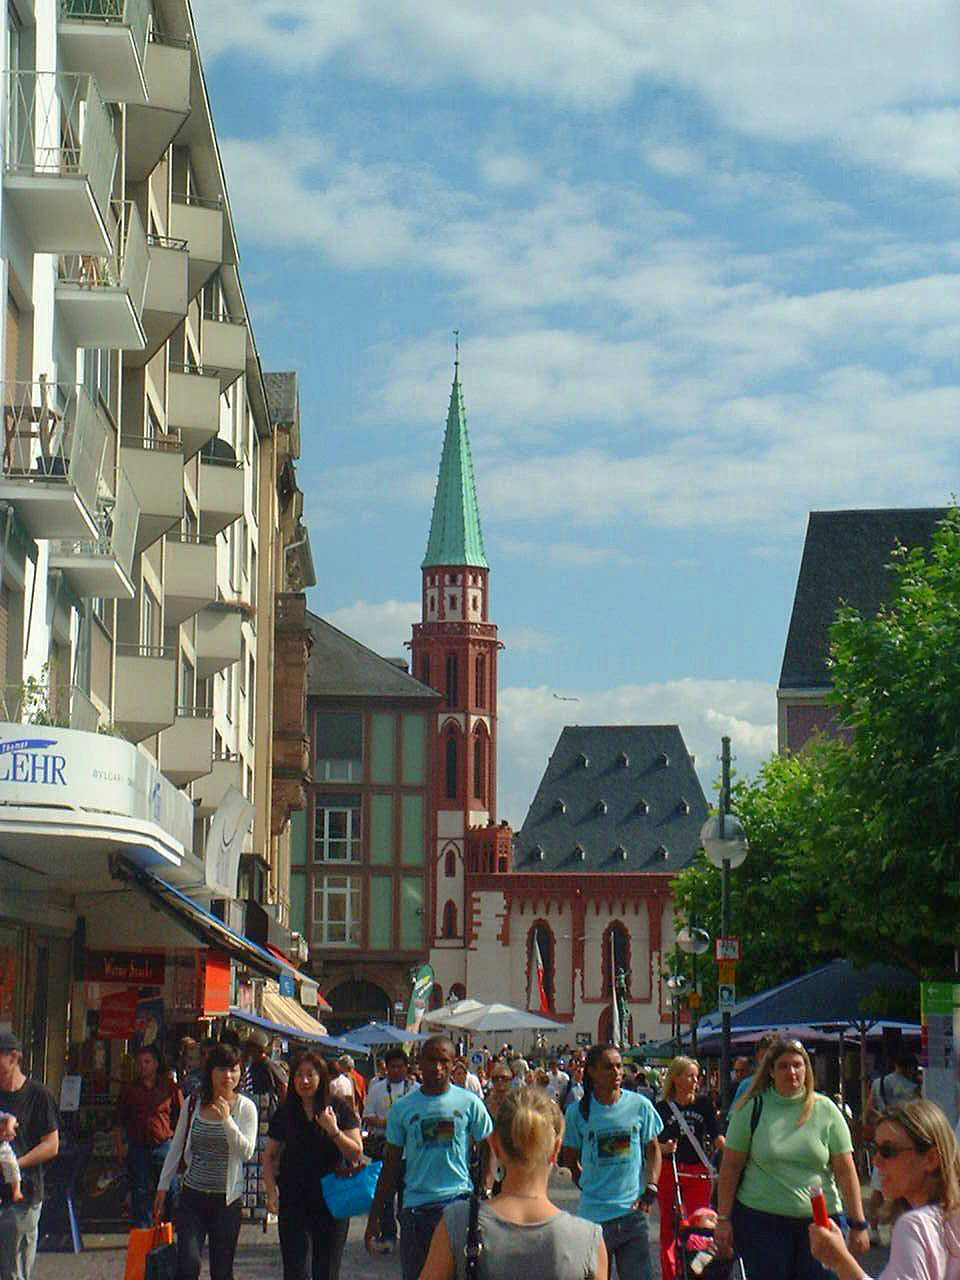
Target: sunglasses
{"type": "Point", "coordinates": [889, 1151]}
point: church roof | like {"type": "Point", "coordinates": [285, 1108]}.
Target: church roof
{"type": "Point", "coordinates": [341, 667]}
{"type": "Point", "coordinates": [845, 558]}
{"type": "Point", "coordinates": [614, 798]}
{"type": "Point", "coordinates": [455, 536]}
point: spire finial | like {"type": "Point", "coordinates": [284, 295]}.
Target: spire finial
{"type": "Point", "coordinates": [456, 352]}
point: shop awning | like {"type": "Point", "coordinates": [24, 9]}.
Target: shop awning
{"type": "Point", "coordinates": [197, 920]}
{"type": "Point", "coordinates": [285, 1009]}
{"type": "Point", "coordinates": [337, 1043]}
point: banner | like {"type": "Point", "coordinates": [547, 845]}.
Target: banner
{"type": "Point", "coordinates": [422, 986]}
{"type": "Point", "coordinates": [228, 826]}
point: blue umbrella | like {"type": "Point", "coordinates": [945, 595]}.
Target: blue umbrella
{"type": "Point", "coordinates": [380, 1033]}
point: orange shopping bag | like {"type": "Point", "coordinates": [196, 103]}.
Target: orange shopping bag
{"type": "Point", "coordinates": [141, 1241]}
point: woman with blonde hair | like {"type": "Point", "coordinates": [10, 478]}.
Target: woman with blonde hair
{"type": "Point", "coordinates": [690, 1135]}
{"type": "Point", "coordinates": [521, 1232]}
{"type": "Point", "coordinates": [782, 1138]}
{"type": "Point", "coordinates": [919, 1162]}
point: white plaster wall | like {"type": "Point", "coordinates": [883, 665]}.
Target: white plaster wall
{"type": "Point", "coordinates": [491, 967]}
{"type": "Point", "coordinates": [449, 825]}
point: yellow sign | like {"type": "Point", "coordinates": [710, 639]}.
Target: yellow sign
{"type": "Point", "coordinates": [726, 971]}
{"type": "Point", "coordinates": [693, 1000]}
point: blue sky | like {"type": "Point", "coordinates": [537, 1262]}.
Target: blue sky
{"type": "Point", "coordinates": [703, 258]}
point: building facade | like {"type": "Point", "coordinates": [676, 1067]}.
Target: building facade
{"type": "Point", "coordinates": [362, 849]}
{"type": "Point", "coordinates": [141, 503]}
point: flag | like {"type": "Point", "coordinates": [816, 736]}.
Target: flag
{"type": "Point", "coordinates": [538, 992]}
{"type": "Point", "coordinates": [221, 854]}
{"type": "Point", "coordinates": [616, 1033]}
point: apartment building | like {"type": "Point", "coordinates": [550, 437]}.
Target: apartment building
{"type": "Point", "coordinates": [147, 490]}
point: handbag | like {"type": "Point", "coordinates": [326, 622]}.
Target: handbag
{"type": "Point", "coordinates": [161, 1263]}
{"type": "Point", "coordinates": [351, 1195]}
{"type": "Point", "coordinates": [141, 1241]}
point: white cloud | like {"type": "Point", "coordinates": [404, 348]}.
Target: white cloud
{"type": "Point", "coordinates": [531, 720]}
{"type": "Point", "coordinates": [872, 79]}
{"type": "Point", "coordinates": [383, 626]}
{"type": "Point", "coordinates": [565, 555]}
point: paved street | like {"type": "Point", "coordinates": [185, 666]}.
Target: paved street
{"type": "Point", "coordinates": [258, 1257]}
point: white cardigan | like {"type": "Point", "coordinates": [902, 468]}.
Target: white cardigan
{"type": "Point", "coordinates": [241, 1129]}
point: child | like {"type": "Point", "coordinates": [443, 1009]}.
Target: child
{"type": "Point", "coordinates": [8, 1161]}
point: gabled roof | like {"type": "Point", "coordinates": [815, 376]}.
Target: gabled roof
{"type": "Point", "coordinates": [341, 667]}
{"type": "Point", "coordinates": [455, 536]}
{"type": "Point", "coordinates": [627, 795]}
{"type": "Point", "coordinates": [844, 561]}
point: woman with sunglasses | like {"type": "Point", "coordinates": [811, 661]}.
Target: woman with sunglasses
{"type": "Point", "coordinates": [782, 1138]}
{"type": "Point", "coordinates": [916, 1153]}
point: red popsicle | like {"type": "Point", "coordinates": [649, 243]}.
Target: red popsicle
{"type": "Point", "coordinates": [819, 1205]}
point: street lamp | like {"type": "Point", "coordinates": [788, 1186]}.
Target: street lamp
{"type": "Point", "coordinates": [725, 844]}
{"type": "Point", "coordinates": [676, 985]}
{"type": "Point", "coordinates": [693, 942]}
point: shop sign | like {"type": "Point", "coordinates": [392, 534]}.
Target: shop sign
{"type": "Point", "coordinates": [118, 1015]}
{"type": "Point", "coordinates": [216, 983]}
{"type": "Point", "coordinates": [90, 771]}
{"type": "Point", "coordinates": [288, 984]}
{"type": "Point", "coordinates": [125, 967]}
{"type": "Point", "coordinates": [228, 827]}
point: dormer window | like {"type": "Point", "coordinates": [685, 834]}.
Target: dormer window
{"type": "Point", "coordinates": [579, 853]}
{"type": "Point", "coordinates": [583, 761]}
{"type": "Point", "coordinates": [642, 808]}
{"type": "Point", "coordinates": [683, 806]}
{"type": "Point", "coordinates": [623, 760]}
{"type": "Point", "coordinates": [559, 806]}
{"type": "Point", "coordinates": [663, 760]}
{"type": "Point", "coordinates": [536, 853]}
{"type": "Point", "coordinates": [600, 807]}
{"type": "Point", "coordinates": [620, 853]}
{"type": "Point", "coordinates": [662, 852]}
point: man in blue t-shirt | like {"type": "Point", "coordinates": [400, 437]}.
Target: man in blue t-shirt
{"type": "Point", "coordinates": [610, 1145]}
{"type": "Point", "coordinates": [431, 1131]}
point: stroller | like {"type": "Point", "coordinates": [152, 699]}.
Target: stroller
{"type": "Point", "coordinates": [696, 1259]}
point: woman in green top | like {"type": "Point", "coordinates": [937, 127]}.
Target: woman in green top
{"type": "Point", "coordinates": [782, 1138]}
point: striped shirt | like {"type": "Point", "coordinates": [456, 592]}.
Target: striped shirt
{"type": "Point", "coordinates": [209, 1154]}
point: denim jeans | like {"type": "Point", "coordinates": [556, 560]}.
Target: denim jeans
{"type": "Point", "coordinates": [143, 1171]}
{"type": "Point", "coordinates": [417, 1226]}
{"type": "Point", "coordinates": [201, 1215]}
{"type": "Point", "coordinates": [19, 1225]}
{"type": "Point", "coordinates": [777, 1247]}
{"type": "Point", "coordinates": [628, 1244]}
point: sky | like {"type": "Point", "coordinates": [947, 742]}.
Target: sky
{"type": "Point", "coordinates": [703, 259]}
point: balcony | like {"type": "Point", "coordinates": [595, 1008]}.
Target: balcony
{"type": "Point", "coordinates": [103, 566]}
{"type": "Point", "coordinates": [217, 639]}
{"type": "Point", "coordinates": [154, 467]}
{"type": "Point", "coordinates": [165, 299]}
{"type": "Point", "coordinates": [189, 577]}
{"type": "Point", "coordinates": [200, 223]}
{"type": "Point", "coordinates": [60, 156]}
{"type": "Point", "coordinates": [106, 39]}
{"type": "Point", "coordinates": [101, 297]}
{"type": "Point", "coordinates": [208, 791]}
{"type": "Point", "coordinates": [53, 446]}
{"type": "Point", "coordinates": [193, 406]}
{"type": "Point", "coordinates": [186, 748]}
{"type": "Point", "coordinates": [223, 345]}
{"type": "Point", "coordinates": [145, 690]}
{"type": "Point", "coordinates": [220, 491]}
{"type": "Point", "coordinates": [151, 128]}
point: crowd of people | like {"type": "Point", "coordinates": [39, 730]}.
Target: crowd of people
{"type": "Point", "coordinates": [468, 1148]}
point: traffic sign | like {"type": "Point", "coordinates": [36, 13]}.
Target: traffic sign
{"type": "Point", "coordinates": [727, 997]}
{"type": "Point", "coordinates": [728, 948]}
{"type": "Point", "coordinates": [693, 1000]}
{"type": "Point", "coordinates": [476, 1058]}
{"type": "Point", "coordinates": [727, 972]}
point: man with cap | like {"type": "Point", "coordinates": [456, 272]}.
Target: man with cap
{"type": "Point", "coordinates": [37, 1141]}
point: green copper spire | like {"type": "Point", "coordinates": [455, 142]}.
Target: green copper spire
{"type": "Point", "coordinates": [455, 536]}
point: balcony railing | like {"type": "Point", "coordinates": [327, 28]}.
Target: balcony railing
{"type": "Point", "coordinates": [59, 126]}
{"type": "Point", "coordinates": [134, 14]}
{"type": "Point", "coordinates": [159, 651]}
{"type": "Point", "coordinates": [164, 442]}
{"type": "Point", "coordinates": [126, 268]}
{"type": "Point", "coordinates": [191, 712]}
{"type": "Point", "coordinates": [197, 202]}
{"type": "Point", "coordinates": [53, 433]}
{"type": "Point", "coordinates": [117, 521]}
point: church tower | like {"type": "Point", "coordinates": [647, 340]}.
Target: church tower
{"type": "Point", "coordinates": [454, 650]}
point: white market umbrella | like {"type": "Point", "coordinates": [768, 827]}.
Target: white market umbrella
{"type": "Point", "coordinates": [442, 1017]}
{"type": "Point", "coordinates": [501, 1017]}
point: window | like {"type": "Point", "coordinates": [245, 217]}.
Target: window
{"type": "Point", "coordinates": [339, 740]}
{"type": "Point", "coordinates": [450, 864]}
{"type": "Point", "coordinates": [451, 604]}
{"type": "Point", "coordinates": [425, 669]}
{"type": "Point", "coordinates": [228, 691]}
{"type": "Point", "coordinates": [448, 927]}
{"type": "Point", "coordinates": [251, 699]}
{"type": "Point", "coordinates": [616, 940]}
{"type": "Point", "coordinates": [336, 911]}
{"type": "Point", "coordinates": [479, 680]}
{"type": "Point", "coordinates": [453, 680]}
{"type": "Point", "coordinates": [337, 829]}
{"type": "Point", "coordinates": [541, 934]}
{"type": "Point", "coordinates": [479, 763]}
{"type": "Point", "coordinates": [253, 575]}
{"type": "Point", "coordinates": [451, 762]}
{"type": "Point", "coordinates": [187, 686]}
{"type": "Point", "coordinates": [149, 618]}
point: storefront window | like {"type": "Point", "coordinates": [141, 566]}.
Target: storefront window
{"type": "Point", "coordinates": [336, 911]}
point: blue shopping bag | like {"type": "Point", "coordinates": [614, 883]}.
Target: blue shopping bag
{"type": "Point", "coordinates": [351, 1196]}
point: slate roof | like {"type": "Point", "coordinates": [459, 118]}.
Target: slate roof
{"type": "Point", "coordinates": [455, 536]}
{"type": "Point", "coordinates": [629, 787]}
{"type": "Point", "coordinates": [281, 389]}
{"type": "Point", "coordinates": [844, 561]}
{"type": "Point", "coordinates": [341, 667]}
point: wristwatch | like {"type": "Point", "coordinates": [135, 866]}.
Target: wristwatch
{"type": "Point", "coordinates": [650, 1194]}
{"type": "Point", "coordinates": [857, 1224]}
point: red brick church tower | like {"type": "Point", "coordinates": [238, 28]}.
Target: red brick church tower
{"type": "Point", "coordinates": [454, 650]}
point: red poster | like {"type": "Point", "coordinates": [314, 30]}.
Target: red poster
{"type": "Point", "coordinates": [216, 983]}
{"type": "Point", "coordinates": [118, 1015]}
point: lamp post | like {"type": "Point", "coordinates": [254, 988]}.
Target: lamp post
{"type": "Point", "coordinates": [693, 942]}
{"type": "Point", "coordinates": [725, 844]}
{"type": "Point", "coordinates": [676, 985]}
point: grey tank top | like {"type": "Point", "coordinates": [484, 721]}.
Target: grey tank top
{"type": "Point", "coordinates": [562, 1248]}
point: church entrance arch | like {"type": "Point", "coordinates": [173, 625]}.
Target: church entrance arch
{"type": "Point", "coordinates": [357, 1001]}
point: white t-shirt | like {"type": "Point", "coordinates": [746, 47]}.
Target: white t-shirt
{"type": "Point", "coordinates": [918, 1249]}
{"type": "Point", "coordinates": [382, 1094]}
{"type": "Point", "coordinates": [473, 1084]}
{"type": "Point", "coordinates": [558, 1084]}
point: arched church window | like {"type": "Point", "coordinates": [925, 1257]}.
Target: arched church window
{"type": "Point", "coordinates": [616, 946]}
{"type": "Point", "coordinates": [450, 864]}
{"type": "Point", "coordinates": [479, 763]}
{"type": "Point", "coordinates": [480, 680]}
{"type": "Point", "coordinates": [453, 680]}
{"type": "Point", "coordinates": [448, 927]}
{"type": "Point", "coordinates": [451, 762]}
{"type": "Point", "coordinates": [541, 935]}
